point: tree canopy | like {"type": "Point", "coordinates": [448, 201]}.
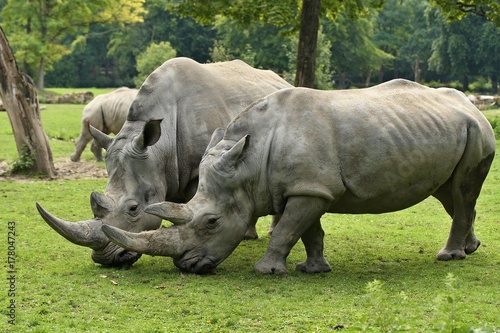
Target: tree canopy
{"type": "Point", "coordinates": [457, 10]}
{"type": "Point", "coordinates": [359, 42]}
{"type": "Point", "coordinates": [37, 29]}
{"type": "Point", "coordinates": [300, 15]}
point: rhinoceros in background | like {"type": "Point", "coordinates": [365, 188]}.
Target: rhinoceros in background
{"type": "Point", "coordinates": [301, 153]}
{"type": "Point", "coordinates": [185, 102]}
{"type": "Point", "coordinates": [106, 113]}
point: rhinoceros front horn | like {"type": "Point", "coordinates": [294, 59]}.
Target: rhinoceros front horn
{"type": "Point", "coordinates": [161, 242]}
{"type": "Point", "coordinates": [86, 233]}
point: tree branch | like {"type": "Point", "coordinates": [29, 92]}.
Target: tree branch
{"type": "Point", "coordinates": [466, 8]}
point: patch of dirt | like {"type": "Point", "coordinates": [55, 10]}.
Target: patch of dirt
{"type": "Point", "coordinates": [66, 169]}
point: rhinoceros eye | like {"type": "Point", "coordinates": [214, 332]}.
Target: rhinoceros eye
{"type": "Point", "coordinates": [212, 222]}
{"type": "Point", "coordinates": [133, 209]}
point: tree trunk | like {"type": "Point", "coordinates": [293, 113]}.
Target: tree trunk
{"type": "Point", "coordinates": [308, 40]}
{"type": "Point", "coordinates": [21, 102]}
{"type": "Point", "coordinates": [465, 83]}
{"type": "Point", "coordinates": [416, 69]}
{"type": "Point", "coordinates": [494, 84]}
{"type": "Point", "coordinates": [40, 84]}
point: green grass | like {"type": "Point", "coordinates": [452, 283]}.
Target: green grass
{"type": "Point", "coordinates": [385, 276]}
{"type": "Point", "coordinates": [62, 91]}
{"type": "Point", "coordinates": [61, 122]}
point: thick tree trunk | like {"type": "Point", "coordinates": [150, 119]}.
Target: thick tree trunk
{"type": "Point", "coordinates": [21, 102]}
{"type": "Point", "coordinates": [308, 40]}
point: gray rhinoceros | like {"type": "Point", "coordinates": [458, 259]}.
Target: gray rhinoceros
{"type": "Point", "coordinates": [185, 102]}
{"type": "Point", "coordinates": [106, 113]}
{"type": "Point", "coordinates": [301, 153]}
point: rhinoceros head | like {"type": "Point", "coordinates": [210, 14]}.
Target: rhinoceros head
{"type": "Point", "coordinates": [210, 226]}
{"type": "Point", "coordinates": [134, 182]}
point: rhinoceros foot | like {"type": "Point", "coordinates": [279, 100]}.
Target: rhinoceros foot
{"type": "Point", "coordinates": [265, 266]}
{"type": "Point", "coordinates": [318, 265]}
{"type": "Point", "coordinates": [472, 246]}
{"type": "Point", "coordinates": [74, 158]}
{"type": "Point", "coordinates": [446, 255]}
{"type": "Point", "coordinates": [472, 243]}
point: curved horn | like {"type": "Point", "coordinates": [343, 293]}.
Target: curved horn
{"type": "Point", "coordinates": [161, 242]}
{"type": "Point", "coordinates": [103, 139]}
{"type": "Point", "coordinates": [86, 233]}
{"type": "Point", "coordinates": [100, 204]}
{"type": "Point", "coordinates": [176, 213]}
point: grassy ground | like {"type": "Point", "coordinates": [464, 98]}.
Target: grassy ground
{"type": "Point", "coordinates": [385, 276]}
{"type": "Point", "coordinates": [62, 91]}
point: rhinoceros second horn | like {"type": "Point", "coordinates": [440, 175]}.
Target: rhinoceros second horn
{"type": "Point", "coordinates": [176, 213]}
{"type": "Point", "coordinates": [162, 242]}
{"type": "Point", "coordinates": [86, 233]}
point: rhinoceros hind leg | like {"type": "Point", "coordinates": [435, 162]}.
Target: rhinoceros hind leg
{"type": "Point", "coordinates": [459, 199]}
{"type": "Point", "coordinates": [251, 232]}
{"type": "Point", "coordinates": [96, 149]}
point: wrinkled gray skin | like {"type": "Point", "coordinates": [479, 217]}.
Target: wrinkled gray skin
{"type": "Point", "coordinates": [156, 155]}
{"type": "Point", "coordinates": [301, 153]}
{"type": "Point", "coordinates": [106, 113]}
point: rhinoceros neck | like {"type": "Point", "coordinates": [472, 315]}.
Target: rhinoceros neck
{"type": "Point", "coordinates": [262, 127]}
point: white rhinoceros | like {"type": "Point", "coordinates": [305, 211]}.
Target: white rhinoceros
{"type": "Point", "coordinates": [301, 153]}
{"type": "Point", "coordinates": [185, 102]}
{"type": "Point", "coordinates": [106, 113]}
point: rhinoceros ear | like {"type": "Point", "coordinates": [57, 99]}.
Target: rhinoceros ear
{"type": "Point", "coordinates": [100, 204]}
{"type": "Point", "coordinates": [227, 162]}
{"type": "Point", "coordinates": [217, 136]}
{"type": "Point", "coordinates": [150, 134]}
{"type": "Point", "coordinates": [103, 139]}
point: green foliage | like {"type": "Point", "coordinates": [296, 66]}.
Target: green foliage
{"type": "Point", "coordinates": [457, 10]}
{"type": "Point", "coordinates": [353, 50]}
{"type": "Point", "coordinates": [37, 29]}
{"type": "Point", "coordinates": [155, 55]}
{"type": "Point", "coordinates": [25, 162]}
{"type": "Point", "coordinates": [495, 124]}
{"type": "Point", "coordinates": [218, 52]}
{"type": "Point", "coordinates": [260, 45]}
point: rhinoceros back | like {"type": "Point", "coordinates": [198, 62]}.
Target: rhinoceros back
{"type": "Point", "coordinates": [370, 150]}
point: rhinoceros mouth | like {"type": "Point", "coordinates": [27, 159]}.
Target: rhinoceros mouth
{"type": "Point", "coordinates": [197, 265]}
{"type": "Point", "coordinates": [114, 256]}
{"type": "Point", "coordinates": [127, 258]}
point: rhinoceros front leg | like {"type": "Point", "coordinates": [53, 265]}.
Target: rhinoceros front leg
{"type": "Point", "coordinates": [300, 219]}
